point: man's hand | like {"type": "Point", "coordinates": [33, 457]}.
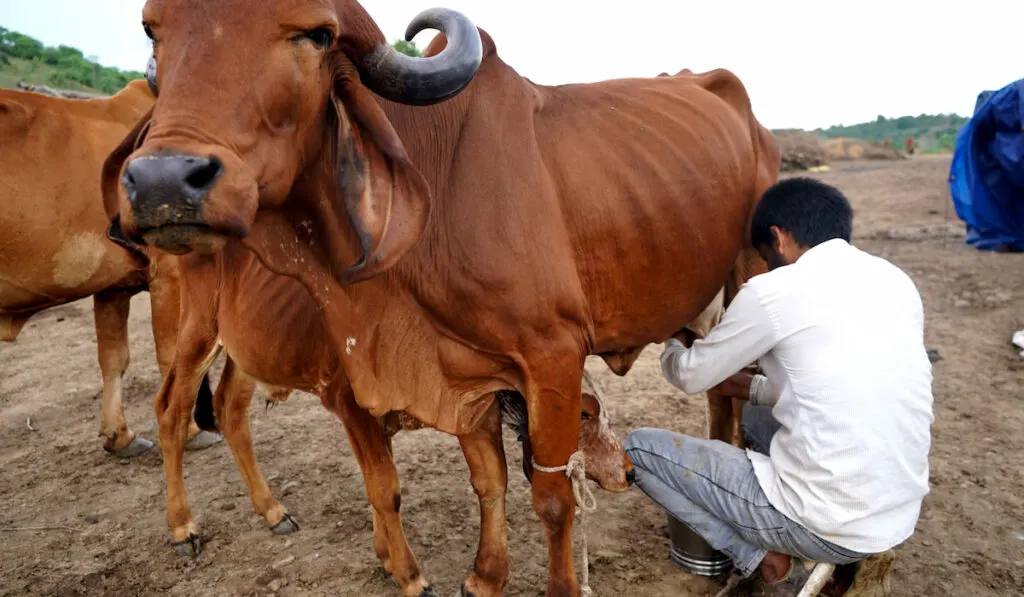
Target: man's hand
{"type": "Point", "coordinates": [736, 386]}
{"type": "Point", "coordinates": [749, 385]}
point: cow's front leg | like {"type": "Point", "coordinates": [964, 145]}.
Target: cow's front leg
{"type": "Point", "coordinates": [488, 472]}
{"type": "Point", "coordinates": [231, 403]}
{"type": "Point", "coordinates": [110, 310]}
{"type": "Point", "coordinates": [173, 405]}
{"type": "Point", "coordinates": [372, 449]}
{"type": "Point", "coordinates": [165, 306]}
{"type": "Point", "coordinates": [553, 403]}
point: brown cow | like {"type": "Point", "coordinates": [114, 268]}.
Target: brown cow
{"type": "Point", "coordinates": [230, 300]}
{"type": "Point", "coordinates": [909, 145]}
{"type": "Point", "coordinates": [54, 249]}
{"type": "Point", "coordinates": [498, 237]}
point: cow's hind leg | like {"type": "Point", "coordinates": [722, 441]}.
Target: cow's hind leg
{"type": "Point", "coordinates": [724, 414]}
{"type": "Point", "coordinates": [11, 325]}
{"type": "Point", "coordinates": [372, 449]}
{"type": "Point", "coordinates": [231, 405]}
{"type": "Point", "coordinates": [488, 472]}
{"type": "Point", "coordinates": [110, 311]}
{"type": "Point", "coordinates": [553, 402]}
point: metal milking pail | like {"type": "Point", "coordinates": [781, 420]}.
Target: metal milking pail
{"type": "Point", "coordinates": [692, 553]}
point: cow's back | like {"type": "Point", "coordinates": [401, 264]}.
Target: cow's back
{"type": "Point", "coordinates": [657, 179]}
{"type": "Point", "coordinates": [55, 248]}
{"type": "Point", "coordinates": [622, 205]}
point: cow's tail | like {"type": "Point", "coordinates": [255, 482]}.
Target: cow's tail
{"type": "Point", "coordinates": [203, 413]}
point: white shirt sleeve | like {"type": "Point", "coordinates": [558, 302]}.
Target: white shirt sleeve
{"type": "Point", "coordinates": [763, 392]}
{"type": "Point", "coordinates": [743, 336]}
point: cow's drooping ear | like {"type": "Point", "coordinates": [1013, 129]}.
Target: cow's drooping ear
{"type": "Point", "coordinates": [386, 198]}
{"type": "Point", "coordinates": [110, 180]}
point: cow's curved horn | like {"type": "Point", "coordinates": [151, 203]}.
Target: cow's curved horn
{"type": "Point", "coordinates": [424, 81]}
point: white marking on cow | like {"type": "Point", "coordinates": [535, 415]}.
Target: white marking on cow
{"type": "Point", "coordinates": [350, 343]}
{"type": "Point", "coordinates": [218, 31]}
{"type": "Point", "coordinates": [78, 259]}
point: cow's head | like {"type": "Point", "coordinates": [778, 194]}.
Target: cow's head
{"type": "Point", "coordinates": [605, 458]}
{"type": "Point", "coordinates": [252, 95]}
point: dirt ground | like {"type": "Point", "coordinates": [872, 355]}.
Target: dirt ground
{"type": "Point", "coordinates": [106, 518]}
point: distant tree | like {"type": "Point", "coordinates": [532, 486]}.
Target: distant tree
{"type": "Point", "coordinates": [408, 48]}
{"type": "Point", "coordinates": [905, 122]}
{"type": "Point", "coordinates": [21, 46]}
{"type": "Point", "coordinates": [67, 67]}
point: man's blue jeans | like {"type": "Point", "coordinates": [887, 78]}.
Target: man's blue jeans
{"type": "Point", "coordinates": [711, 487]}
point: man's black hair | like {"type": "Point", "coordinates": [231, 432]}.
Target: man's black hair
{"type": "Point", "coordinates": [810, 210]}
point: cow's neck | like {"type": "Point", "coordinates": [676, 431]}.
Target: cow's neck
{"type": "Point", "coordinates": [393, 332]}
{"type": "Point", "coordinates": [395, 358]}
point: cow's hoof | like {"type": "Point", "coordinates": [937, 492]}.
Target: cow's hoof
{"type": "Point", "coordinates": [429, 592]}
{"type": "Point", "coordinates": [202, 440]}
{"type": "Point", "coordinates": [137, 446]}
{"type": "Point", "coordinates": [286, 526]}
{"type": "Point", "coordinates": [190, 546]}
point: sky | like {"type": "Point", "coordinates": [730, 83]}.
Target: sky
{"type": "Point", "coordinates": [805, 65]}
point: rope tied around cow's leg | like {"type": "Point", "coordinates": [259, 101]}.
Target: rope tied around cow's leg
{"type": "Point", "coordinates": [576, 470]}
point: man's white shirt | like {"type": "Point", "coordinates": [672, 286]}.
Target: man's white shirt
{"type": "Point", "coordinates": [840, 337]}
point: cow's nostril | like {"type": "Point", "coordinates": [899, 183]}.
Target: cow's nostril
{"type": "Point", "coordinates": [631, 477]}
{"type": "Point", "coordinates": [164, 181]}
{"type": "Point", "coordinates": [204, 171]}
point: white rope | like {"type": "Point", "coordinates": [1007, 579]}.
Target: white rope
{"type": "Point", "coordinates": [734, 581]}
{"type": "Point", "coordinates": [817, 580]}
{"type": "Point", "coordinates": [576, 470]}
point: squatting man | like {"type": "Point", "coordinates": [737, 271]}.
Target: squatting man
{"type": "Point", "coordinates": [839, 425]}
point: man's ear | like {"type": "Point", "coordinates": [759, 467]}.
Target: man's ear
{"type": "Point", "coordinates": [778, 239]}
{"type": "Point", "coordinates": [386, 199]}
{"type": "Point", "coordinates": [110, 180]}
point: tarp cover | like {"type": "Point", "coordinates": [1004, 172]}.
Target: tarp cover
{"type": "Point", "coordinates": [986, 178]}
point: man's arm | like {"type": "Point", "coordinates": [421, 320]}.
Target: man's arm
{"type": "Point", "coordinates": [755, 388]}
{"type": "Point", "coordinates": [744, 335]}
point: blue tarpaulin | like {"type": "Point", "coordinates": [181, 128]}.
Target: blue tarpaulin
{"type": "Point", "coordinates": [986, 178]}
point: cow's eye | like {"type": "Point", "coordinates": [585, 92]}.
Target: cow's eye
{"type": "Point", "coordinates": [149, 31]}
{"type": "Point", "coordinates": [584, 416]}
{"type": "Point", "coordinates": [322, 37]}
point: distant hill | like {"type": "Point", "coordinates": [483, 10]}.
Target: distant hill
{"type": "Point", "coordinates": [933, 132]}
{"type": "Point", "coordinates": [24, 58]}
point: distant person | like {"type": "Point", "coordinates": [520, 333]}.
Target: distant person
{"type": "Point", "coordinates": [840, 425]}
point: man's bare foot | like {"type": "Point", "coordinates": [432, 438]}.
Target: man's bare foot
{"type": "Point", "coordinates": [775, 567]}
